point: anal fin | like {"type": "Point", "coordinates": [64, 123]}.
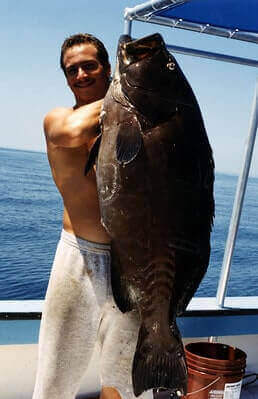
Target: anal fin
{"type": "Point", "coordinates": [93, 155]}
{"type": "Point", "coordinates": [119, 288]}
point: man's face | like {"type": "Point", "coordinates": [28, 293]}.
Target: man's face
{"type": "Point", "coordinates": [85, 75]}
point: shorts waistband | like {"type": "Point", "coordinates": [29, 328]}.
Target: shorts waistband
{"type": "Point", "coordinates": [83, 244]}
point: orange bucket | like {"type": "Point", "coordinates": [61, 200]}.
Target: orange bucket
{"type": "Point", "coordinates": [215, 370]}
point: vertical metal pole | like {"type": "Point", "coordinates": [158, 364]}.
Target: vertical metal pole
{"type": "Point", "coordinates": [127, 26]}
{"type": "Point", "coordinates": [238, 203]}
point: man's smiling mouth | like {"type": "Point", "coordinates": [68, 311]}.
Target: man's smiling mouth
{"type": "Point", "coordinates": [84, 84]}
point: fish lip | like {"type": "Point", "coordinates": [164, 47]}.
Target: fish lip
{"type": "Point", "coordinates": [149, 44]}
{"type": "Point", "coordinates": [124, 39]}
{"type": "Point", "coordinates": [150, 40]}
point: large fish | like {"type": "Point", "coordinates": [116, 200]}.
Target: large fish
{"type": "Point", "coordinates": [155, 175]}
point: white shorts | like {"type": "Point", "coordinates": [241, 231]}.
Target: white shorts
{"type": "Point", "coordinates": [79, 313]}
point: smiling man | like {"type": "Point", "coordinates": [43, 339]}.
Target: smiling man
{"type": "Point", "coordinates": [79, 311]}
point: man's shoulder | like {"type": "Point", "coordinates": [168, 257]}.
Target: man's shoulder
{"type": "Point", "coordinates": [56, 114]}
{"type": "Point", "coordinates": [54, 121]}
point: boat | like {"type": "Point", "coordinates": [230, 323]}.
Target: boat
{"type": "Point", "coordinates": [229, 320]}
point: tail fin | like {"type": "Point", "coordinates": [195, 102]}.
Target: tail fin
{"type": "Point", "coordinates": [157, 367]}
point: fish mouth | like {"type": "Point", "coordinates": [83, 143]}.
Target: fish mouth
{"type": "Point", "coordinates": [132, 51]}
{"type": "Point", "coordinates": [142, 62]}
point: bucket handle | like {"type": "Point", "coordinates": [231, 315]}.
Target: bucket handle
{"type": "Point", "coordinates": [203, 389]}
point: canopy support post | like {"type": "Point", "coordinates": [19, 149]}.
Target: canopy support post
{"type": "Point", "coordinates": [238, 202]}
{"type": "Point", "coordinates": [127, 24]}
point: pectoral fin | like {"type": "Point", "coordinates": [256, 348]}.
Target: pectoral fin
{"type": "Point", "coordinates": [129, 141]}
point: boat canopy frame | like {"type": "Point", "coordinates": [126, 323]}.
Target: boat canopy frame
{"type": "Point", "coordinates": [147, 12]}
{"type": "Point", "coordinates": [155, 12]}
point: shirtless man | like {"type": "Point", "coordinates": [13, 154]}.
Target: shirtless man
{"type": "Point", "coordinates": [79, 311]}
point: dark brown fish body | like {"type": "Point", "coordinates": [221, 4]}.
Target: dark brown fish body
{"type": "Point", "coordinates": [155, 183]}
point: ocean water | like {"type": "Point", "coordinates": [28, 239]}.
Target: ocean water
{"type": "Point", "coordinates": [31, 219]}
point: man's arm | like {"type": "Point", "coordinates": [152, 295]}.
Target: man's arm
{"type": "Point", "coordinates": [72, 128]}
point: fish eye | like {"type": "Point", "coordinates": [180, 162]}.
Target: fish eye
{"type": "Point", "coordinates": [171, 65]}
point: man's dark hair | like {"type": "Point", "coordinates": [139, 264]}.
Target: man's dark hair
{"type": "Point", "coordinates": [81, 38]}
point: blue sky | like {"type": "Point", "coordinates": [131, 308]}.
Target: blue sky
{"type": "Point", "coordinates": [32, 82]}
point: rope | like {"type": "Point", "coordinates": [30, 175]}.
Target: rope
{"type": "Point", "coordinates": [203, 389]}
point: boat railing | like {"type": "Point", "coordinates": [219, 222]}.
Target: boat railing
{"type": "Point", "coordinates": [20, 320]}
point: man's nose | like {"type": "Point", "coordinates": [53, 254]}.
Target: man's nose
{"type": "Point", "coordinates": [81, 73]}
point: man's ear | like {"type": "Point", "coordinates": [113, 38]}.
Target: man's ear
{"type": "Point", "coordinates": [108, 71]}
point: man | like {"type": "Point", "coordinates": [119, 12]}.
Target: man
{"type": "Point", "coordinates": [79, 311]}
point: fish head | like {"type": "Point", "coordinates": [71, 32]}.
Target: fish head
{"type": "Point", "coordinates": [142, 61]}
{"type": "Point", "coordinates": [150, 77]}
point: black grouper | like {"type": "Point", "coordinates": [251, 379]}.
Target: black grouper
{"type": "Point", "coordinates": [155, 175]}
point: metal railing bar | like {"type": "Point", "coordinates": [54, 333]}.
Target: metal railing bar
{"type": "Point", "coordinates": [127, 27]}
{"type": "Point", "coordinates": [238, 202]}
{"type": "Point", "coordinates": [213, 56]}
{"type": "Point", "coordinates": [150, 7]}
{"type": "Point", "coordinates": [197, 27]}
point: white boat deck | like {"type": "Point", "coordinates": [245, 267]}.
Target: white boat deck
{"type": "Point", "coordinates": [250, 392]}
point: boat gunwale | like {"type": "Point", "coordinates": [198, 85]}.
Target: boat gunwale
{"type": "Point", "coordinates": [198, 307]}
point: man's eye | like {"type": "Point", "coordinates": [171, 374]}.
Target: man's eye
{"type": "Point", "coordinates": [71, 71]}
{"type": "Point", "coordinates": [89, 66]}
